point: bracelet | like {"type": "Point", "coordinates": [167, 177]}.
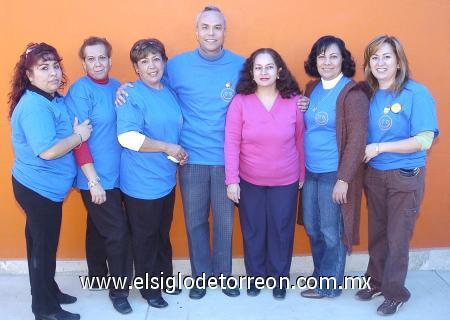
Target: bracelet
{"type": "Point", "coordinates": [81, 140]}
{"type": "Point", "coordinates": [340, 180]}
{"type": "Point", "coordinates": [92, 183]}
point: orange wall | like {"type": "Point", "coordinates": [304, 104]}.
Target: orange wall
{"type": "Point", "coordinates": [290, 26]}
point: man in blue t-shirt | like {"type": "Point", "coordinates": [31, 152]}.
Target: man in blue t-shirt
{"type": "Point", "coordinates": [204, 80]}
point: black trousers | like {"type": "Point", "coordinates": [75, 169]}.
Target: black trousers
{"type": "Point", "coordinates": [150, 222]}
{"type": "Point", "coordinates": [107, 238]}
{"type": "Point", "coordinates": [267, 216]}
{"type": "Point", "coordinates": [43, 224]}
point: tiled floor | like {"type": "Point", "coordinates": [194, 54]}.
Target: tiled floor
{"type": "Point", "coordinates": [430, 300]}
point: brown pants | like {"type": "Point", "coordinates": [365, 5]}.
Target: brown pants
{"type": "Point", "coordinates": [393, 203]}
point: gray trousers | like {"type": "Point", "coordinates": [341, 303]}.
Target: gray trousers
{"type": "Point", "coordinates": [203, 187]}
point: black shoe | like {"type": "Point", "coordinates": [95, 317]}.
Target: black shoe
{"type": "Point", "coordinates": [61, 315]}
{"type": "Point", "coordinates": [64, 298]}
{"type": "Point", "coordinates": [389, 306]}
{"type": "Point", "coordinates": [157, 302]}
{"type": "Point", "coordinates": [197, 293]}
{"type": "Point", "coordinates": [279, 294]}
{"type": "Point", "coordinates": [121, 305]}
{"type": "Point", "coordinates": [368, 294]}
{"type": "Point", "coordinates": [231, 292]}
{"type": "Point", "coordinates": [173, 292]}
{"type": "Point", "coordinates": [253, 291]}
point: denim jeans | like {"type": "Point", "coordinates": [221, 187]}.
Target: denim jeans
{"type": "Point", "coordinates": [323, 223]}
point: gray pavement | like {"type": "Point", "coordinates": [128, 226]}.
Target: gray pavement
{"type": "Point", "coordinates": [430, 300]}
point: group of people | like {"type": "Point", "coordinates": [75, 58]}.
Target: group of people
{"type": "Point", "coordinates": [123, 144]}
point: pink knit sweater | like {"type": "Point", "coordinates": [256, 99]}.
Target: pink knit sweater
{"type": "Point", "coordinates": [264, 147]}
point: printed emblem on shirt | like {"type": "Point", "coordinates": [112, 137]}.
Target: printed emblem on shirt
{"type": "Point", "coordinates": [227, 93]}
{"type": "Point", "coordinates": [385, 122]}
{"type": "Point", "coordinates": [321, 118]}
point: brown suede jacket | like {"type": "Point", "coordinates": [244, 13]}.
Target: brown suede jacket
{"type": "Point", "coordinates": [352, 109]}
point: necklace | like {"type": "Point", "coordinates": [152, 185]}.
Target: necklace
{"type": "Point", "coordinates": [315, 108]}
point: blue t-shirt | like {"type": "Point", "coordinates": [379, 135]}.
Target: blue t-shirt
{"type": "Point", "coordinates": [204, 89]}
{"type": "Point", "coordinates": [37, 125]}
{"type": "Point", "coordinates": [157, 115]}
{"type": "Point", "coordinates": [321, 151]}
{"type": "Point", "coordinates": [397, 117]}
{"type": "Point", "coordinates": [89, 100]}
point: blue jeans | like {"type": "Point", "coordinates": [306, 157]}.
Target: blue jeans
{"type": "Point", "coordinates": [202, 187]}
{"type": "Point", "coordinates": [323, 223]}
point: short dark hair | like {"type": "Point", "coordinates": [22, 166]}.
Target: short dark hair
{"type": "Point", "coordinates": [143, 47]}
{"type": "Point", "coordinates": [285, 83]}
{"type": "Point", "coordinates": [92, 41]}
{"type": "Point", "coordinates": [319, 47]}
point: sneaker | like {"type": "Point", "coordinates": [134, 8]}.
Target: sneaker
{"type": "Point", "coordinates": [368, 294]}
{"type": "Point", "coordinates": [389, 306]}
{"type": "Point", "coordinates": [312, 294]}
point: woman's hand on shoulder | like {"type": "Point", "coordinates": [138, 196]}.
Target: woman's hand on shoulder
{"type": "Point", "coordinates": [121, 94]}
{"type": "Point", "coordinates": [234, 192]}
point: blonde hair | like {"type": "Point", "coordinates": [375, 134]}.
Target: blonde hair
{"type": "Point", "coordinates": [402, 75]}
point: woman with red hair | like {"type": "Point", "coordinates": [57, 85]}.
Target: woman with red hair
{"type": "Point", "coordinates": [44, 168]}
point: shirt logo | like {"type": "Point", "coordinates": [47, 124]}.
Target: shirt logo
{"type": "Point", "coordinates": [227, 93]}
{"type": "Point", "coordinates": [385, 122]}
{"type": "Point", "coordinates": [321, 118]}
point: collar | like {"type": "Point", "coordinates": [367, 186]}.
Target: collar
{"type": "Point", "coordinates": [213, 58]}
{"type": "Point", "coordinates": [101, 81]}
{"type": "Point", "coordinates": [42, 92]}
{"type": "Point", "coordinates": [330, 84]}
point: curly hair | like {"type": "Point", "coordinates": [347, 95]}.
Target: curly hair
{"type": "Point", "coordinates": [285, 83]}
{"type": "Point", "coordinates": [33, 53]}
{"type": "Point", "coordinates": [320, 46]}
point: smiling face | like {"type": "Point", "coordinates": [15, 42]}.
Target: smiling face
{"type": "Point", "coordinates": [151, 69]}
{"type": "Point", "coordinates": [329, 62]}
{"type": "Point", "coordinates": [96, 62]}
{"type": "Point", "coordinates": [210, 32]}
{"type": "Point", "coordinates": [384, 65]}
{"type": "Point", "coordinates": [265, 71]}
{"type": "Point", "coordinates": [46, 75]}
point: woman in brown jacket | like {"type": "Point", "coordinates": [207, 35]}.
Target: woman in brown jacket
{"type": "Point", "coordinates": [335, 138]}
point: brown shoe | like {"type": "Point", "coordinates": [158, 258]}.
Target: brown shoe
{"type": "Point", "coordinates": [368, 294]}
{"type": "Point", "coordinates": [312, 294]}
{"type": "Point", "coordinates": [389, 307]}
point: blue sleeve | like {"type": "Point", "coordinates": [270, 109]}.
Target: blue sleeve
{"type": "Point", "coordinates": [423, 113]}
{"type": "Point", "coordinates": [130, 117]}
{"type": "Point", "coordinates": [78, 104]}
{"type": "Point", "coordinates": [39, 128]}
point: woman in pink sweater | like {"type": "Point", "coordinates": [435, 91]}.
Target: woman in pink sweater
{"type": "Point", "coordinates": [264, 164]}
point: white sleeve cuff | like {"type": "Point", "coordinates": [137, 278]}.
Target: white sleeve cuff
{"type": "Point", "coordinates": [132, 140]}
